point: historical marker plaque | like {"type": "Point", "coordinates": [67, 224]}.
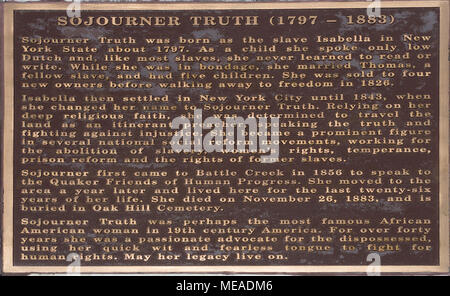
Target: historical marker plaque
{"type": "Point", "coordinates": [352, 165]}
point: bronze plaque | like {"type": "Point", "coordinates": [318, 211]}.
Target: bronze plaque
{"type": "Point", "coordinates": [208, 138]}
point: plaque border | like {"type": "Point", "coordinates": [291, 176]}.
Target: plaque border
{"type": "Point", "coordinates": [8, 149]}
